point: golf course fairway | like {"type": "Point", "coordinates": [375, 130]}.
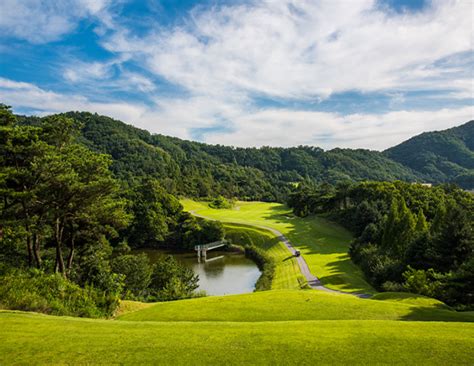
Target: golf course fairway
{"type": "Point", "coordinates": [323, 244]}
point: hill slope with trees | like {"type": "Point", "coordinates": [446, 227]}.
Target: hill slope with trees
{"type": "Point", "coordinates": [201, 170]}
{"type": "Point", "coordinates": [196, 169]}
{"type": "Point", "coordinates": [440, 156]}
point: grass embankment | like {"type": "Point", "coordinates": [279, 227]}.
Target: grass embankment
{"type": "Point", "coordinates": [287, 305]}
{"type": "Point", "coordinates": [323, 244]}
{"type": "Point", "coordinates": [287, 274]}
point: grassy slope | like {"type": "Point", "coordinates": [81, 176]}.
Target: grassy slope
{"type": "Point", "coordinates": [296, 305]}
{"type": "Point", "coordinates": [38, 339]}
{"type": "Point", "coordinates": [287, 271]}
{"type": "Point", "coordinates": [128, 306]}
{"type": "Point", "coordinates": [323, 244]}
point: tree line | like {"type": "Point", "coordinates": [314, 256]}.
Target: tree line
{"type": "Point", "coordinates": [408, 237]}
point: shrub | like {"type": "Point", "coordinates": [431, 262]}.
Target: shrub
{"type": "Point", "coordinates": [53, 294]}
{"type": "Point", "coordinates": [172, 281]}
{"type": "Point", "coordinates": [220, 202]}
{"type": "Point", "coordinates": [390, 286]}
{"type": "Point", "coordinates": [421, 282]}
{"type": "Point", "coordinates": [265, 263]}
{"type": "Point", "coordinates": [137, 274]}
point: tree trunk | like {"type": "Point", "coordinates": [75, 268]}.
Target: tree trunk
{"type": "Point", "coordinates": [59, 253]}
{"type": "Point", "coordinates": [29, 247]}
{"type": "Point", "coordinates": [60, 261]}
{"type": "Point", "coordinates": [36, 249]}
{"type": "Point", "coordinates": [71, 253]}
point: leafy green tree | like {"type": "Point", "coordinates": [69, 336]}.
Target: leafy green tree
{"type": "Point", "coordinates": [137, 272]}
{"type": "Point", "coordinates": [172, 281]}
{"type": "Point", "coordinates": [20, 147]}
{"type": "Point", "coordinates": [421, 223]}
{"type": "Point", "coordinates": [155, 215]}
{"type": "Point", "coordinates": [421, 282]}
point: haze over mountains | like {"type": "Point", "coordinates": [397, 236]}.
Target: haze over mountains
{"type": "Point", "coordinates": [266, 173]}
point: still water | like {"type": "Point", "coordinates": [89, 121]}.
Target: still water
{"type": "Point", "coordinates": [223, 273]}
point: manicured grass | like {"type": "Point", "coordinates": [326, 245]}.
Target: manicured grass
{"type": "Point", "coordinates": [27, 339]}
{"type": "Point", "coordinates": [323, 244]}
{"type": "Point", "coordinates": [294, 305]}
{"type": "Point", "coordinates": [287, 272]}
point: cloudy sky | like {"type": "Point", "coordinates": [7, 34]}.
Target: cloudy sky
{"type": "Point", "coordinates": [349, 73]}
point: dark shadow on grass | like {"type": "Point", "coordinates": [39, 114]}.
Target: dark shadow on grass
{"type": "Point", "coordinates": [436, 313]}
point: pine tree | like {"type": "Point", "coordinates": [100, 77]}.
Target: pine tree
{"type": "Point", "coordinates": [405, 229]}
{"type": "Point", "coordinates": [421, 223]}
{"type": "Point", "coordinates": [390, 227]}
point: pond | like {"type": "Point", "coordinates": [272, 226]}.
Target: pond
{"type": "Point", "coordinates": [223, 273]}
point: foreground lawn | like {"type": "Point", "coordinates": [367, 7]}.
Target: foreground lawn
{"type": "Point", "coordinates": [27, 339]}
{"type": "Point", "coordinates": [299, 305]}
{"type": "Point", "coordinates": [323, 244]}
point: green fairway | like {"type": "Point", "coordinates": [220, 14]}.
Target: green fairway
{"type": "Point", "coordinates": [323, 244]}
{"type": "Point", "coordinates": [297, 305]}
{"type": "Point", "coordinates": [27, 339]}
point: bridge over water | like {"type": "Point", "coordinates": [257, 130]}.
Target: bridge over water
{"type": "Point", "coordinates": [202, 249]}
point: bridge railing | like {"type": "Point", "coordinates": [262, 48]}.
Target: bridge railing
{"type": "Point", "coordinates": [210, 245]}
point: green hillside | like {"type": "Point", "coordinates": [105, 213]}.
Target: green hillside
{"type": "Point", "coordinates": [440, 156]}
{"type": "Point", "coordinates": [200, 170]}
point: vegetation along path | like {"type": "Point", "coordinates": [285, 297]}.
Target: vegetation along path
{"type": "Point", "coordinates": [313, 281]}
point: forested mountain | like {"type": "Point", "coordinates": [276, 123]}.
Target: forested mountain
{"type": "Point", "coordinates": [201, 170]}
{"type": "Point", "coordinates": [440, 156]}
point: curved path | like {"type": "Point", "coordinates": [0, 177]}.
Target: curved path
{"type": "Point", "coordinates": [313, 281]}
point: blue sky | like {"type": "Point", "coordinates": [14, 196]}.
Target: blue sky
{"type": "Point", "coordinates": [348, 73]}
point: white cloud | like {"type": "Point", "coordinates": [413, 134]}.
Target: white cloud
{"type": "Point", "coordinates": [107, 76]}
{"type": "Point", "coordinates": [305, 49]}
{"type": "Point", "coordinates": [28, 96]}
{"type": "Point", "coordinates": [43, 21]}
{"type": "Point", "coordinates": [82, 71]}
{"type": "Point", "coordinates": [282, 127]}
{"type": "Point", "coordinates": [225, 56]}
{"type": "Point", "coordinates": [249, 126]}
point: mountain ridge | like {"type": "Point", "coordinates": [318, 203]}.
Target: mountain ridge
{"type": "Point", "coordinates": [198, 169]}
{"type": "Point", "coordinates": [440, 156]}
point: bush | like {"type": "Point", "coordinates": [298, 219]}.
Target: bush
{"type": "Point", "coordinates": [137, 271]}
{"type": "Point", "coordinates": [53, 294]}
{"type": "Point", "coordinates": [172, 281]}
{"type": "Point", "coordinates": [421, 282]}
{"type": "Point", "coordinates": [220, 203]}
{"type": "Point", "coordinates": [265, 263]}
{"type": "Point", "coordinates": [390, 286]}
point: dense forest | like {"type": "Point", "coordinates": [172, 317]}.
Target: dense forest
{"type": "Point", "coordinates": [200, 170]}
{"type": "Point", "coordinates": [409, 237]}
{"type": "Point", "coordinates": [67, 225]}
